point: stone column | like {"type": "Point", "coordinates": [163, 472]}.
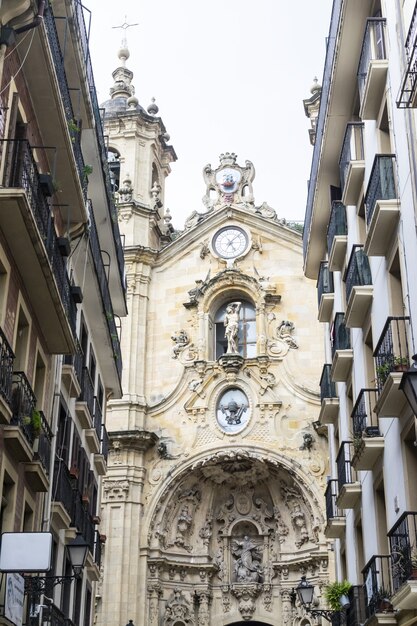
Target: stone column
{"type": "Point", "coordinates": [261, 328]}
{"type": "Point", "coordinates": [154, 592]}
{"type": "Point", "coordinates": [203, 607]}
{"type": "Point", "coordinates": [286, 607]}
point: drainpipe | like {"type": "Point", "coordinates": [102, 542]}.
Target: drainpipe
{"type": "Point", "coordinates": [35, 23]}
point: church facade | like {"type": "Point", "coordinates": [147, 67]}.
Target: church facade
{"type": "Point", "coordinates": [213, 501]}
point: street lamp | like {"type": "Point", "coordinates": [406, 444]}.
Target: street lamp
{"type": "Point", "coordinates": [408, 385]}
{"type": "Point", "coordinates": [77, 550]}
{"type": "Point", "coordinates": [305, 592]}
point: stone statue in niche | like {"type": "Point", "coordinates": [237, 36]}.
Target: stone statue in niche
{"type": "Point", "coordinates": [292, 498]}
{"type": "Point", "coordinates": [231, 323]}
{"type": "Point", "coordinates": [183, 525]}
{"type": "Point", "coordinates": [247, 561]}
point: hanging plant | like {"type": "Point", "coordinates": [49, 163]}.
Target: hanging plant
{"type": "Point", "coordinates": [334, 591]}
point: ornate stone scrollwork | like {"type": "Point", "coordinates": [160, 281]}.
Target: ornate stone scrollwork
{"type": "Point", "coordinates": [246, 595]}
{"type": "Point", "coordinates": [178, 609]}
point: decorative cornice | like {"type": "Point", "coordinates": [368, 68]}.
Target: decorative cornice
{"type": "Point", "coordinates": [140, 440]}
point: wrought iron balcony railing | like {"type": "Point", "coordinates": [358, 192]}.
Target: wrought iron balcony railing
{"type": "Point", "coordinates": [45, 444]}
{"type": "Point", "coordinates": [104, 442]}
{"type": "Point", "coordinates": [363, 415]}
{"type": "Point", "coordinates": [327, 386]}
{"type": "Point", "coordinates": [358, 272]}
{"type": "Point", "coordinates": [355, 615]}
{"type": "Point", "coordinates": [330, 495]}
{"type": "Point", "coordinates": [58, 58]}
{"type": "Point", "coordinates": [407, 94]}
{"type": "Point", "coordinates": [97, 549]}
{"type": "Point", "coordinates": [392, 352]}
{"type": "Point", "coordinates": [373, 47]}
{"type": "Point", "coordinates": [98, 418]}
{"type": "Point", "coordinates": [81, 27]}
{"type": "Point", "coordinates": [6, 368]}
{"type": "Point", "coordinates": [377, 585]}
{"type": "Point", "coordinates": [63, 486]}
{"type": "Point", "coordinates": [105, 294]}
{"type": "Point", "coordinates": [344, 465]}
{"type": "Point", "coordinates": [53, 616]}
{"type": "Point", "coordinates": [23, 405]}
{"type": "Point", "coordinates": [87, 391]}
{"type": "Point", "coordinates": [340, 334]}
{"type": "Point", "coordinates": [76, 360]}
{"type": "Point", "coordinates": [325, 280]}
{"type": "Point", "coordinates": [82, 520]}
{"type": "Point", "coordinates": [337, 224]}
{"type": "Point", "coordinates": [381, 185]}
{"type": "Point", "coordinates": [21, 172]}
{"type": "Point", "coordinates": [352, 149]}
{"type": "Point", "coordinates": [403, 548]}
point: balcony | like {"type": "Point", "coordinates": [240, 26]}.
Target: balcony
{"type": "Point", "coordinates": [337, 236]}
{"type": "Point", "coordinates": [325, 292]}
{"type": "Point", "coordinates": [407, 97]}
{"type": "Point", "coordinates": [359, 290]}
{"type": "Point", "coordinates": [336, 521]}
{"type": "Point", "coordinates": [100, 460]}
{"type": "Point", "coordinates": [352, 163]}
{"type": "Point", "coordinates": [19, 436]}
{"type": "Point", "coordinates": [26, 218]}
{"type": "Point", "coordinates": [82, 520]}
{"type": "Point", "coordinates": [382, 206]}
{"type": "Point", "coordinates": [329, 410]}
{"type": "Point", "coordinates": [373, 68]}
{"type": "Point", "coordinates": [6, 379]}
{"type": "Point", "coordinates": [355, 614]}
{"type": "Point", "coordinates": [378, 591]}
{"type": "Point", "coordinates": [93, 435]}
{"type": "Point", "coordinates": [84, 407]}
{"type": "Point", "coordinates": [72, 371]}
{"type": "Point", "coordinates": [349, 488]}
{"type": "Point", "coordinates": [368, 442]}
{"type": "Point", "coordinates": [341, 349]}
{"type": "Point", "coordinates": [37, 471]}
{"type": "Point", "coordinates": [392, 358]}
{"type": "Point", "coordinates": [62, 495]}
{"type": "Point", "coordinates": [403, 547]}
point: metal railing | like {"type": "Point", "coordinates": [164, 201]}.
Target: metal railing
{"type": "Point", "coordinates": [327, 386]}
{"type": "Point", "coordinates": [45, 444]}
{"type": "Point", "coordinates": [97, 549]}
{"type": "Point", "coordinates": [98, 418]}
{"type": "Point", "coordinates": [407, 92]}
{"type": "Point", "coordinates": [6, 368]}
{"type": "Point", "coordinates": [53, 616]}
{"type": "Point", "coordinates": [381, 185]}
{"type": "Point", "coordinates": [343, 464]}
{"type": "Point", "coordinates": [363, 416]}
{"type": "Point", "coordinates": [23, 405]}
{"type": "Point", "coordinates": [21, 172]}
{"type": "Point", "coordinates": [358, 272]}
{"type": "Point", "coordinates": [392, 352]}
{"type": "Point", "coordinates": [58, 59]}
{"type": "Point", "coordinates": [325, 280]}
{"type": "Point", "coordinates": [63, 486]}
{"type": "Point", "coordinates": [352, 149]}
{"type": "Point", "coordinates": [355, 615]}
{"type": "Point", "coordinates": [337, 224]}
{"type": "Point", "coordinates": [84, 37]}
{"type": "Point", "coordinates": [82, 520]}
{"type": "Point", "coordinates": [105, 293]}
{"type": "Point", "coordinates": [377, 584]}
{"type": "Point", "coordinates": [104, 442]}
{"type": "Point", "coordinates": [76, 360]}
{"type": "Point", "coordinates": [340, 335]}
{"type": "Point", "coordinates": [403, 548]}
{"type": "Point", "coordinates": [330, 496]}
{"type": "Point", "coordinates": [373, 48]}
{"type": "Point", "coordinates": [87, 391]}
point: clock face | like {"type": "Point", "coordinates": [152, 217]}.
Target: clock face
{"type": "Point", "coordinates": [230, 242]}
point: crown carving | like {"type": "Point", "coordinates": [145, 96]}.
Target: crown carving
{"type": "Point", "coordinates": [228, 158]}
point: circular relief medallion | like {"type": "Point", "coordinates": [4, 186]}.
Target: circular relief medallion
{"type": "Point", "coordinates": [233, 411]}
{"type": "Point", "coordinates": [228, 179]}
{"type": "Point", "coordinates": [230, 242]}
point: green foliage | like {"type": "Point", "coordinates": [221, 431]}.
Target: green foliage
{"type": "Point", "coordinates": [334, 591]}
{"type": "Point", "coordinates": [87, 170]}
{"type": "Point", "coordinates": [36, 422]}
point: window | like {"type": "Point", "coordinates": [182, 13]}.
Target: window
{"type": "Point", "coordinates": [113, 158]}
{"type": "Point", "coordinates": [246, 333]}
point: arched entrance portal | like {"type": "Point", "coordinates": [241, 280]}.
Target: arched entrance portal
{"type": "Point", "coordinates": [250, 623]}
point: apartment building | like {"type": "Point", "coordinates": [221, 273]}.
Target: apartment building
{"type": "Point", "coordinates": [360, 245]}
{"type": "Point", "coordinates": [62, 292]}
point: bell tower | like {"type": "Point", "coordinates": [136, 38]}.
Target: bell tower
{"type": "Point", "coordinates": [139, 160]}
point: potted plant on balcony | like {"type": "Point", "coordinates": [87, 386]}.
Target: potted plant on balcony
{"type": "Point", "coordinates": [401, 364]}
{"type": "Point", "coordinates": [382, 601]}
{"type": "Point", "coordinates": [334, 592]}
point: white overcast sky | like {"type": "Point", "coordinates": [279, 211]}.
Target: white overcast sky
{"type": "Point", "coordinates": [228, 76]}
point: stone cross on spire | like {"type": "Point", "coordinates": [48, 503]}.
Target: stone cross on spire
{"type": "Point", "coordinates": [124, 27]}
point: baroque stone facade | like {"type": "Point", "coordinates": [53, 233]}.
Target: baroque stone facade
{"type": "Point", "coordinates": [213, 504]}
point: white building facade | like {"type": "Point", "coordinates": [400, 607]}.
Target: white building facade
{"type": "Point", "coordinates": [360, 244]}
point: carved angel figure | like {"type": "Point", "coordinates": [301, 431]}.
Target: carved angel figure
{"type": "Point", "coordinates": [284, 332]}
{"type": "Point", "coordinates": [181, 340]}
